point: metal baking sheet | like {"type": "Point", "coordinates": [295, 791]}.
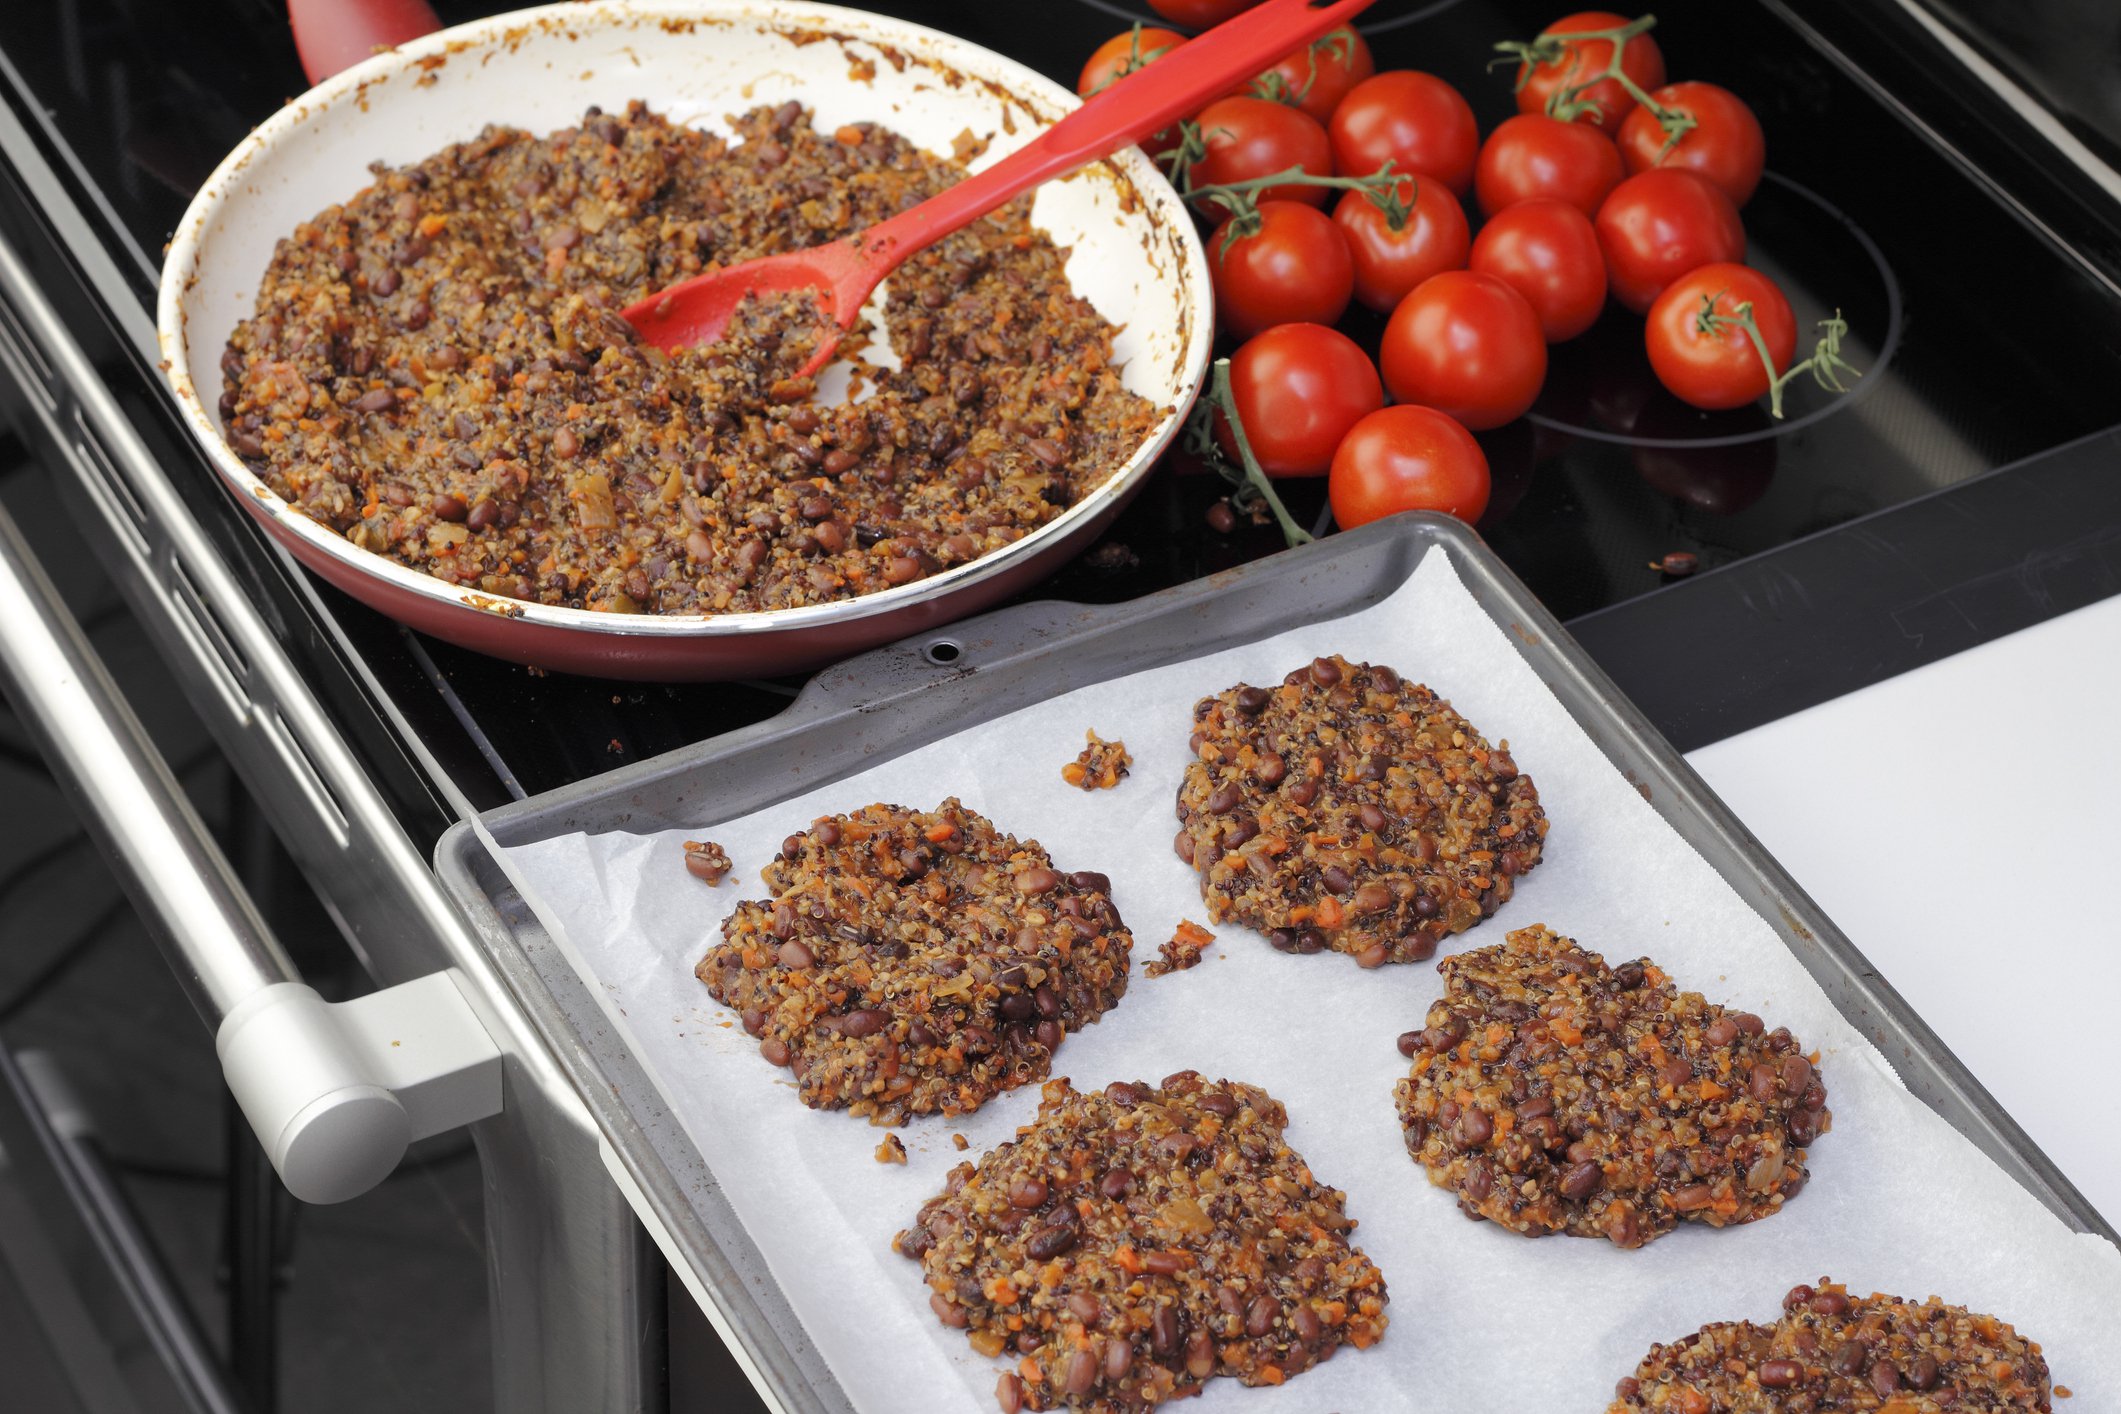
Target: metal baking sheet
{"type": "Point", "coordinates": [922, 690]}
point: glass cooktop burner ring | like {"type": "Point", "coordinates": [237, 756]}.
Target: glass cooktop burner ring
{"type": "Point", "coordinates": [1600, 386]}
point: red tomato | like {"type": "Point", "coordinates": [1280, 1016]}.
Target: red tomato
{"type": "Point", "coordinates": [1407, 458]}
{"type": "Point", "coordinates": [1199, 14]}
{"type": "Point", "coordinates": [1295, 269]}
{"type": "Point", "coordinates": [1718, 368]}
{"type": "Point", "coordinates": [1299, 388]}
{"type": "Point", "coordinates": [1389, 263]}
{"type": "Point", "coordinates": [1251, 137]}
{"type": "Point", "coordinates": [1416, 120]}
{"type": "Point", "coordinates": [1659, 224]}
{"type": "Point", "coordinates": [1548, 252]}
{"type": "Point", "coordinates": [1531, 156]}
{"type": "Point", "coordinates": [1467, 345]}
{"type": "Point", "coordinates": [1316, 77]}
{"type": "Point", "coordinates": [1725, 145]}
{"type": "Point", "coordinates": [1120, 56]}
{"type": "Point", "coordinates": [1643, 62]}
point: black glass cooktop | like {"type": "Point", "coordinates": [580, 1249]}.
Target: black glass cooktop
{"type": "Point", "coordinates": [1982, 341]}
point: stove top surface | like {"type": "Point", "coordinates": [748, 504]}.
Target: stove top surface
{"type": "Point", "coordinates": [1982, 342]}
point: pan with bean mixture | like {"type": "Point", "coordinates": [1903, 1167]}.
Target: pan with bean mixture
{"type": "Point", "coordinates": [1132, 1243]}
{"type": "Point", "coordinates": [917, 962]}
{"type": "Point", "coordinates": [1353, 810]}
{"type": "Point", "coordinates": [1555, 1094]}
{"type": "Point", "coordinates": [1831, 1351]}
{"type": "Point", "coordinates": [438, 371]}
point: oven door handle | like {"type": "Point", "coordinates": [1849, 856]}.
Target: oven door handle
{"type": "Point", "coordinates": [335, 1091]}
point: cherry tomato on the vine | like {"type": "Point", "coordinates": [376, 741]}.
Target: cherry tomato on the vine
{"type": "Point", "coordinates": [1407, 458]}
{"type": "Point", "coordinates": [1467, 345]}
{"type": "Point", "coordinates": [1120, 56]}
{"type": "Point", "coordinates": [1388, 263]}
{"type": "Point", "coordinates": [1725, 145]}
{"type": "Point", "coordinates": [1412, 119]}
{"type": "Point", "coordinates": [1659, 224]}
{"type": "Point", "coordinates": [1299, 388]}
{"type": "Point", "coordinates": [1532, 156]}
{"type": "Point", "coordinates": [1719, 366]}
{"type": "Point", "coordinates": [1199, 14]}
{"type": "Point", "coordinates": [1295, 269]}
{"type": "Point", "coordinates": [1316, 77]}
{"type": "Point", "coordinates": [1248, 138]}
{"type": "Point", "coordinates": [1585, 59]}
{"type": "Point", "coordinates": [1546, 251]}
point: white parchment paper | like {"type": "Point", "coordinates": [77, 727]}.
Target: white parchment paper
{"type": "Point", "coordinates": [1480, 1318]}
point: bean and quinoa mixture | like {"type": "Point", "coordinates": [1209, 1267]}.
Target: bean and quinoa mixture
{"type": "Point", "coordinates": [1183, 951]}
{"type": "Point", "coordinates": [1132, 1243]}
{"type": "Point", "coordinates": [1831, 1351]}
{"type": "Point", "coordinates": [1350, 809]}
{"type": "Point", "coordinates": [917, 962]}
{"type": "Point", "coordinates": [437, 370]}
{"type": "Point", "coordinates": [707, 861]}
{"type": "Point", "coordinates": [1100, 766]}
{"type": "Point", "coordinates": [1555, 1094]}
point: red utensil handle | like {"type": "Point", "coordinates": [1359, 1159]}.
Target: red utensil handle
{"type": "Point", "coordinates": [1145, 101]}
{"type": "Point", "coordinates": [331, 35]}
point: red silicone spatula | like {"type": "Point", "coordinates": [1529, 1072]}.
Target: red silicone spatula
{"type": "Point", "coordinates": [845, 272]}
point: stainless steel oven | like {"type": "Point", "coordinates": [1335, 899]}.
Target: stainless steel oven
{"type": "Point", "coordinates": [304, 924]}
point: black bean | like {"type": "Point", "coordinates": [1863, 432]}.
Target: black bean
{"type": "Point", "coordinates": [1628, 976]}
{"type": "Point", "coordinates": [1220, 1105]}
{"type": "Point", "coordinates": [1780, 1374]}
{"type": "Point", "coordinates": [866, 1022]}
{"type": "Point", "coordinates": [386, 284]}
{"type": "Point", "coordinates": [1923, 1373]}
{"type": "Point", "coordinates": [1885, 1378]}
{"type": "Point", "coordinates": [1336, 879]}
{"type": "Point", "coordinates": [483, 515]}
{"type": "Point", "coordinates": [1222, 800]}
{"type": "Point", "coordinates": [1090, 879]}
{"type": "Point", "coordinates": [1325, 672]}
{"type": "Point", "coordinates": [1253, 700]}
{"type": "Point", "coordinates": [1081, 1372]}
{"type": "Point", "coordinates": [1581, 1181]}
{"type": "Point", "coordinates": [1425, 906]}
{"type": "Point", "coordinates": [450, 506]}
{"type": "Point", "coordinates": [1053, 1239]}
{"type": "Point", "coordinates": [1165, 1330]}
{"type": "Point", "coordinates": [1474, 1127]}
{"type": "Point", "coordinates": [1037, 880]}
{"type": "Point", "coordinates": [1027, 1193]}
{"type": "Point", "coordinates": [1303, 792]}
{"type": "Point", "coordinates": [376, 400]}
{"type": "Point", "coordinates": [1116, 1184]}
{"type": "Point", "coordinates": [1259, 1316]}
{"type": "Point", "coordinates": [1721, 1032]}
{"type": "Point", "coordinates": [1282, 939]}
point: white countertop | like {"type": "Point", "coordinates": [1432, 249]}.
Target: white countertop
{"type": "Point", "coordinates": [1955, 822]}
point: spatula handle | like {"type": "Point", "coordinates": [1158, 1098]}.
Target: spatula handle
{"type": "Point", "coordinates": [1177, 85]}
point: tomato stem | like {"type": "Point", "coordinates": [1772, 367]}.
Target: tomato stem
{"type": "Point", "coordinates": [1240, 200]}
{"type": "Point", "coordinates": [1275, 89]}
{"type": "Point", "coordinates": [1551, 47]}
{"type": "Point", "coordinates": [1251, 481]}
{"type": "Point", "coordinates": [1826, 365]}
